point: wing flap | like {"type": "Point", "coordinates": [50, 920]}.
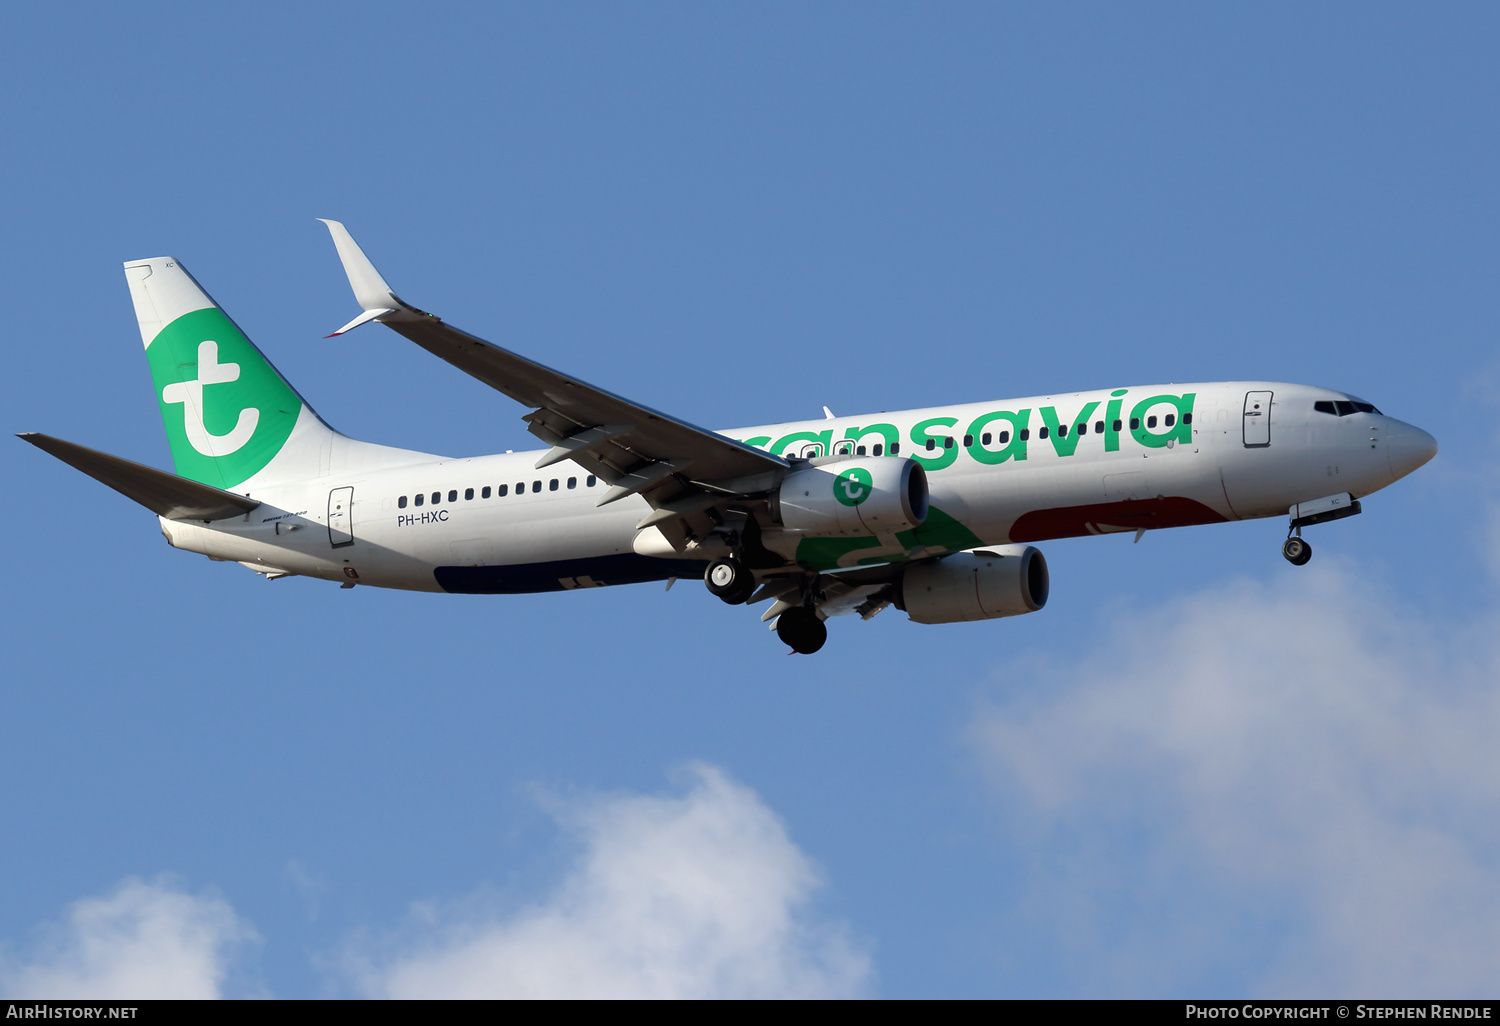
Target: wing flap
{"type": "Point", "coordinates": [164, 494]}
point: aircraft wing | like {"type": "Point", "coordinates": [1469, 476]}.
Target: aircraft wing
{"type": "Point", "coordinates": [164, 494]}
{"type": "Point", "coordinates": [679, 468]}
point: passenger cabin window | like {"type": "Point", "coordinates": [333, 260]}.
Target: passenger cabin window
{"type": "Point", "coordinates": [520, 487]}
{"type": "Point", "coordinates": [1187, 418]}
{"type": "Point", "coordinates": [1135, 423]}
{"type": "Point", "coordinates": [1083, 429]}
{"type": "Point", "coordinates": [589, 481]}
{"type": "Point", "coordinates": [1151, 421]}
{"type": "Point", "coordinates": [468, 493]}
{"type": "Point", "coordinates": [552, 487]}
{"type": "Point", "coordinates": [895, 448]}
{"type": "Point", "coordinates": [484, 493]}
{"type": "Point", "coordinates": [1098, 427]}
{"type": "Point", "coordinates": [453, 495]}
{"type": "Point", "coordinates": [968, 441]}
{"type": "Point", "coordinates": [948, 442]}
{"type": "Point", "coordinates": [1025, 434]}
{"type": "Point", "coordinates": [1062, 431]}
{"type": "Point", "coordinates": [536, 486]}
{"type": "Point", "coordinates": [572, 482]}
{"type": "Point", "coordinates": [401, 502]}
{"type": "Point", "coordinates": [931, 444]}
{"type": "Point", "coordinates": [419, 499]}
{"type": "Point", "coordinates": [880, 448]}
{"type": "Point", "coordinates": [437, 497]}
{"type": "Point", "coordinates": [502, 490]}
{"type": "Point", "coordinates": [1041, 432]}
{"type": "Point", "coordinates": [1170, 419]}
{"type": "Point", "coordinates": [1116, 426]}
{"type": "Point", "coordinates": [859, 451]}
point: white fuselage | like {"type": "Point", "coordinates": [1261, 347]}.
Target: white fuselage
{"type": "Point", "coordinates": [499, 525]}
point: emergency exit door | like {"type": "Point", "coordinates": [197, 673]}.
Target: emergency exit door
{"type": "Point", "coordinates": [340, 523]}
{"type": "Point", "coordinates": [1257, 420]}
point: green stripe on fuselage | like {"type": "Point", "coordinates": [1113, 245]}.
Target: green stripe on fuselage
{"type": "Point", "coordinates": [938, 534]}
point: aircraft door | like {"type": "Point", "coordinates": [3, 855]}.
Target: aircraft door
{"type": "Point", "coordinates": [340, 521]}
{"type": "Point", "coordinates": [1257, 419]}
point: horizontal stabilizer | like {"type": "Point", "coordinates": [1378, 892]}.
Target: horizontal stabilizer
{"type": "Point", "coordinates": [164, 494]}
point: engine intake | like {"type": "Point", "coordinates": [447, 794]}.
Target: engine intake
{"type": "Point", "coordinates": [980, 584]}
{"type": "Point", "coordinates": [862, 496]}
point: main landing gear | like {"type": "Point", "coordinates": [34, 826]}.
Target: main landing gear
{"type": "Point", "coordinates": [1296, 551]}
{"type": "Point", "coordinates": [730, 581]}
{"type": "Point", "coordinates": [801, 630]}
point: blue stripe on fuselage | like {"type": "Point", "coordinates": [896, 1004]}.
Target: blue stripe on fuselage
{"type": "Point", "coordinates": [562, 574]}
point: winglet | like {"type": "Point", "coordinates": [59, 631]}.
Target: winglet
{"type": "Point", "coordinates": [368, 315]}
{"type": "Point", "coordinates": [370, 290]}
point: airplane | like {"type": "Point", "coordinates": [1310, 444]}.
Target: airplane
{"type": "Point", "coordinates": [932, 511]}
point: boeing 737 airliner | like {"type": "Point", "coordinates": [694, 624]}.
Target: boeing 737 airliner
{"type": "Point", "coordinates": [932, 511]}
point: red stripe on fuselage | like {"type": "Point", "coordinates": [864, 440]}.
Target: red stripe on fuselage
{"type": "Point", "coordinates": [1130, 515]}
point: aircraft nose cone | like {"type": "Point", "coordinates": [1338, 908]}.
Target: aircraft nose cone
{"type": "Point", "coordinates": [1408, 447]}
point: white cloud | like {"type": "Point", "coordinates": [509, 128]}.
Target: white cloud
{"type": "Point", "coordinates": [1286, 789]}
{"type": "Point", "coordinates": [149, 939]}
{"type": "Point", "coordinates": [696, 895]}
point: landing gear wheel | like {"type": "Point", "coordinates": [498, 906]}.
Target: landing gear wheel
{"type": "Point", "coordinates": [728, 579]}
{"type": "Point", "coordinates": [801, 630]}
{"type": "Point", "coordinates": [1296, 551]}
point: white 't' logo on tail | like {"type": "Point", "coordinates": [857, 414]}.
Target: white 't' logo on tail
{"type": "Point", "coordinates": [190, 394]}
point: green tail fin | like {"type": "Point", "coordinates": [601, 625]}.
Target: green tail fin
{"type": "Point", "coordinates": [227, 411]}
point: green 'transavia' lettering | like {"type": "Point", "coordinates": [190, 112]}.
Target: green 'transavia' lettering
{"type": "Point", "coordinates": [822, 438]}
{"type": "Point", "coordinates": [1064, 436]}
{"type": "Point", "coordinates": [887, 432]}
{"type": "Point", "coordinates": [1014, 449]}
{"type": "Point", "coordinates": [941, 457]}
{"type": "Point", "coordinates": [1181, 431]}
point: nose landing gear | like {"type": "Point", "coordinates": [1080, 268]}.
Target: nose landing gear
{"type": "Point", "coordinates": [1314, 511]}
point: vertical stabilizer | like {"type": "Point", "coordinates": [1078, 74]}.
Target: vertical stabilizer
{"type": "Point", "coordinates": [227, 411]}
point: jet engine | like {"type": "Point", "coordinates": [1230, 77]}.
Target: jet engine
{"type": "Point", "coordinates": [979, 584]}
{"type": "Point", "coordinates": [861, 496]}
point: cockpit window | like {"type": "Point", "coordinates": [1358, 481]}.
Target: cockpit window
{"type": "Point", "coordinates": [1343, 407]}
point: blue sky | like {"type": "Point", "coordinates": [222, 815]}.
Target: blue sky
{"type": "Point", "coordinates": [1198, 771]}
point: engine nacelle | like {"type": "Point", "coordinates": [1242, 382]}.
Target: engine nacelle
{"type": "Point", "coordinates": [869, 495]}
{"type": "Point", "coordinates": [980, 584]}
